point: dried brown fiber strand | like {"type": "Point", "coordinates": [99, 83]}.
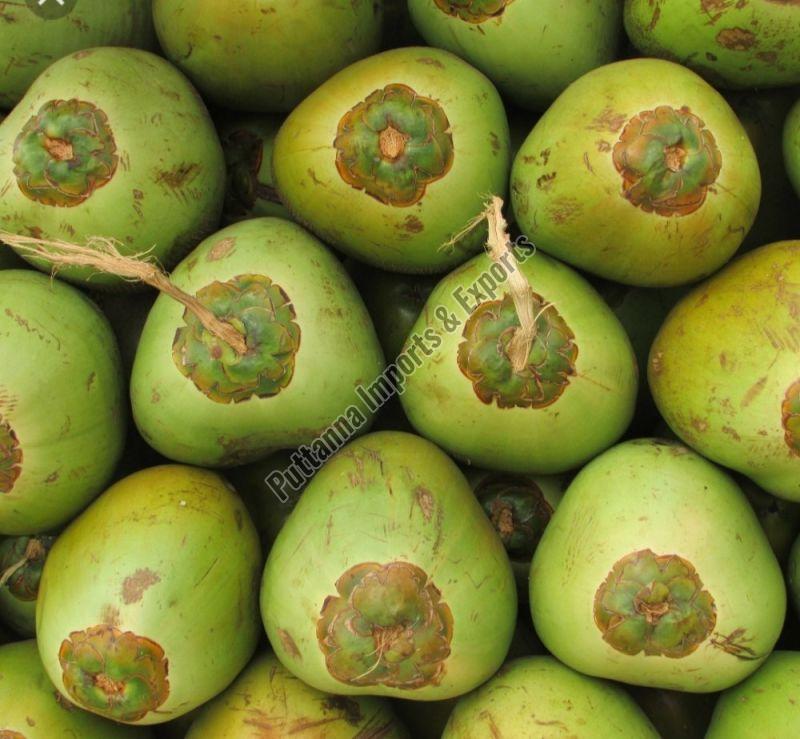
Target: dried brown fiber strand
{"type": "Point", "coordinates": [498, 245]}
{"type": "Point", "coordinates": [102, 254]}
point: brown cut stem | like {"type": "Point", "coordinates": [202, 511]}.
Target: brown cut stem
{"type": "Point", "coordinates": [103, 255]}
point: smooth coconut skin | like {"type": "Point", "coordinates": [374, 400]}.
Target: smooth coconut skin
{"type": "Point", "coordinates": [30, 43]}
{"type": "Point", "coordinates": [791, 146]}
{"type": "Point", "coordinates": [337, 350]}
{"type": "Point", "coordinates": [30, 708]}
{"type": "Point", "coordinates": [171, 556]}
{"type": "Point", "coordinates": [21, 562]}
{"type": "Point", "coordinates": [426, 190]}
{"type": "Point", "coordinates": [654, 497]}
{"type": "Point", "coordinates": [766, 704]}
{"type": "Point", "coordinates": [595, 404]}
{"type": "Point", "coordinates": [531, 694]}
{"type": "Point", "coordinates": [393, 522]}
{"type": "Point", "coordinates": [724, 367]}
{"type": "Point", "coordinates": [735, 45]}
{"type": "Point", "coordinates": [617, 179]}
{"type": "Point", "coordinates": [62, 414]}
{"type": "Point", "coordinates": [151, 173]}
{"type": "Point", "coordinates": [267, 696]}
{"type": "Point", "coordinates": [247, 142]}
{"type": "Point", "coordinates": [531, 51]}
{"type": "Point", "coordinates": [265, 55]}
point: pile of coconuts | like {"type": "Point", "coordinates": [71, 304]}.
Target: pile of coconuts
{"type": "Point", "coordinates": [399, 368]}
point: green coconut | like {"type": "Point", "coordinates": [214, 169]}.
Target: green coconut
{"type": "Point", "coordinates": [724, 368]}
{"type": "Point", "coordinates": [640, 173]}
{"type": "Point", "coordinates": [268, 699]}
{"type": "Point", "coordinates": [114, 143]}
{"type": "Point", "coordinates": [30, 42]}
{"type": "Point", "coordinates": [392, 157]}
{"type": "Point", "coordinates": [388, 579]}
{"type": "Point", "coordinates": [573, 397]}
{"type": "Point", "coordinates": [31, 708]}
{"type": "Point", "coordinates": [265, 55]}
{"type": "Point", "coordinates": [655, 571]}
{"type": "Point", "coordinates": [309, 344]}
{"type": "Point", "coordinates": [732, 44]}
{"type": "Point", "coordinates": [148, 601]}
{"type": "Point", "coordinates": [21, 562]}
{"type": "Point", "coordinates": [767, 704]}
{"type": "Point", "coordinates": [530, 695]}
{"type": "Point", "coordinates": [519, 507]}
{"type": "Point", "coordinates": [791, 146]}
{"type": "Point", "coordinates": [248, 142]}
{"type": "Point", "coordinates": [531, 51]}
{"type": "Point", "coordinates": [763, 115]}
{"type": "Point", "coordinates": [62, 413]}
{"type": "Point", "coordinates": [394, 301]}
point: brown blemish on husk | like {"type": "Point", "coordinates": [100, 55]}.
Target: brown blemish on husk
{"type": "Point", "coordinates": [474, 11]}
{"type": "Point", "coordinates": [790, 417]}
{"type": "Point", "coordinates": [735, 644]}
{"type": "Point", "coordinates": [119, 675]}
{"type": "Point", "coordinates": [289, 644]}
{"type": "Point", "coordinates": [608, 121]}
{"type": "Point", "coordinates": [736, 39]}
{"type": "Point", "coordinates": [8, 734]}
{"type": "Point", "coordinates": [424, 500]}
{"type": "Point", "coordinates": [654, 604]}
{"type": "Point", "coordinates": [179, 176]}
{"type": "Point", "coordinates": [221, 249]}
{"type": "Point", "coordinates": [10, 457]}
{"type": "Point", "coordinates": [376, 153]}
{"type": "Point", "coordinates": [134, 586]}
{"type": "Point", "coordinates": [413, 225]}
{"type": "Point", "coordinates": [368, 640]}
